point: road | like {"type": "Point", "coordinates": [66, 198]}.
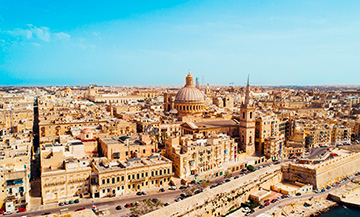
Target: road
{"type": "Point", "coordinates": [167, 196]}
{"type": "Point", "coordinates": [316, 152]}
{"type": "Point", "coordinates": [296, 198]}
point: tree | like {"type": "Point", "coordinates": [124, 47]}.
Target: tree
{"type": "Point", "coordinates": [145, 206]}
{"type": "Point", "coordinates": [227, 174]}
{"type": "Point", "coordinates": [250, 167]}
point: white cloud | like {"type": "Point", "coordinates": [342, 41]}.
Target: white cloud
{"type": "Point", "coordinates": [61, 36]}
{"type": "Point", "coordinates": [37, 33]}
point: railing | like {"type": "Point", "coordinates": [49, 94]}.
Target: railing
{"type": "Point", "coordinates": [54, 183]}
{"type": "Point", "coordinates": [138, 180]}
{"type": "Point", "coordinates": [163, 175]}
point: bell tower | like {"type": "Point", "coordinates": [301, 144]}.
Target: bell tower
{"type": "Point", "coordinates": [247, 123]}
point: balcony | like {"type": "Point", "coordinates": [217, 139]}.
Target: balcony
{"type": "Point", "coordinates": [54, 184]}
{"type": "Point", "coordinates": [162, 176]}
{"type": "Point", "coordinates": [138, 180]}
{"type": "Point", "coordinates": [77, 181]}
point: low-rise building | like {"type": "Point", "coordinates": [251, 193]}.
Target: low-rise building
{"type": "Point", "coordinates": [115, 177]}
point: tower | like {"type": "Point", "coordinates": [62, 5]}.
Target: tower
{"type": "Point", "coordinates": [247, 123]}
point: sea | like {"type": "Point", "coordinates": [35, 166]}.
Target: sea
{"type": "Point", "coordinates": [341, 211]}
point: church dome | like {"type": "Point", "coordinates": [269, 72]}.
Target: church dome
{"type": "Point", "coordinates": [189, 93]}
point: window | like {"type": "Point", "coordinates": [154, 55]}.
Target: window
{"type": "Point", "coordinates": [122, 178]}
{"type": "Point", "coordinates": [143, 151]}
{"type": "Point", "coordinates": [128, 177]}
{"type": "Point", "coordinates": [152, 173]}
{"type": "Point", "coordinates": [168, 171]}
{"type": "Point", "coordinates": [250, 115]}
{"type": "Point", "coordinates": [103, 181]}
{"type": "Point", "coordinates": [118, 179]}
{"type": "Point", "coordinates": [108, 181]}
{"type": "Point", "coordinates": [137, 176]}
{"type": "Point", "coordinates": [113, 180]}
{"type": "Point", "coordinates": [243, 114]}
{"type": "Point", "coordinates": [126, 153]}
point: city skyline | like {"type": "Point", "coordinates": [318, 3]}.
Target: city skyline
{"type": "Point", "coordinates": [142, 44]}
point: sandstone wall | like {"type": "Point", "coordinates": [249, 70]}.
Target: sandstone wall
{"type": "Point", "coordinates": [222, 199]}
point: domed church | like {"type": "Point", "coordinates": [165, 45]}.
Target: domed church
{"type": "Point", "coordinates": [188, 101]}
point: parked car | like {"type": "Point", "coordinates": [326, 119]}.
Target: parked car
{"type": "Point", "coordinates": [61, 204]}
{"type": "Point", "coordinates": [198, 191]}
{"type": "Point", "coordinates": [71, 202]}
{"type": "Point", "coordinates": [143, 193]}
{"type": "Point", "coordinates": [161, 190]}
{"type": "Point", "coordinates": [76, 201]}
{"type": "Point", "coordinates": [22, 209]}
{"type": "Point", "coordinates": [298, 194]}
{"type": "Point", "coordinates": [178, 199]}
{"type": "Point", "coordinates": [172, 188]}
{"type": "Point", "coordinates": [79, 209]}
{"type": "Point", "coordinates": [261, 206]}
{"type": "Point", "coordinates": [2, 211]}
{"type": "Point", "coordinates": [236, 177]}
{"type": "Point", "coordinates": [273, 200]}
{"type": "Point", "coordinates": [182, 187]}
{"type": "Point", "coordinates": [127, 205]}
{"type": "Point", "coordinates": [8, 212]}
{"type": "Point", "coordinates": [213, 186]}
{"type": "Point", "coordinates": [118, 207]}
{"type": "Point", "coordinates": [323, 190]}
{"type": "Point", "coordinates": [183, 195]}
{"type": "Point", "coordinates": [267, 203]}
{"type": "Point", "coordinates": [166, 204]}
{"type": "Point", "coordinates": [227, 180]}
{"type": "Point", "coordinates": [139, 193]}
{"type": "Point", "coordinates": [46, 213]}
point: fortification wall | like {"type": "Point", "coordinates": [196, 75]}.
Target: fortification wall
{"type": "Point", "coordinates": [325, 173]}
{"type": "Point", "coordinates": [337, 169]}
{"type": "Point", "coordinates": [222, 199]}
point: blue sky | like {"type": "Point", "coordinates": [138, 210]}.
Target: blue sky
{"type": "Point", "coordinates": [302, 42]}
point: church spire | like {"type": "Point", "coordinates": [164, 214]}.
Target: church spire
{"type": "Point", "coordinates": [247, 93]}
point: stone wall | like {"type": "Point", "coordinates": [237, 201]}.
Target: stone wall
{"type": "Point", "coordinates": [325, 173]}
{"type": "Point", "coordinates": [222, 199]}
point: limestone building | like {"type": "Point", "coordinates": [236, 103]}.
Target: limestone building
{"type": "Point", "coordinates": [115, 177]}
{"type": "Point", "coordinates": [197, 156]}
{"type": "Point", "coordinates": [15, 165]}
{"type": "Point", "coordinates": [64, 172]}
{"type": "Point", "coordinates": [126, 147]}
